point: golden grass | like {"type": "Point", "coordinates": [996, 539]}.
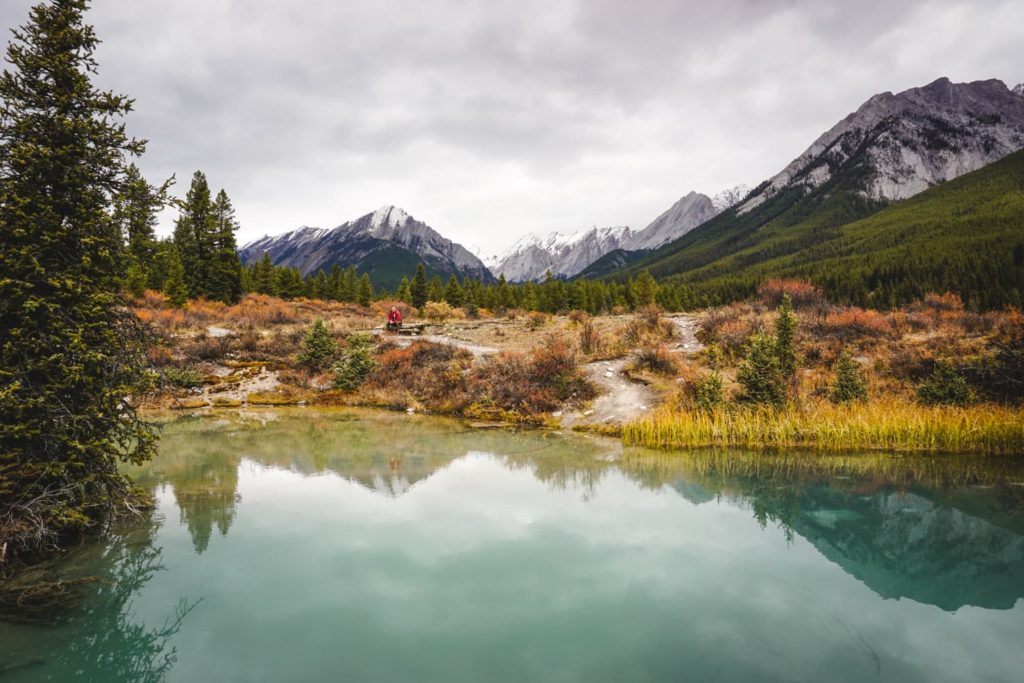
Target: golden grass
{"type": "Point", "coordinates": [881, 426]}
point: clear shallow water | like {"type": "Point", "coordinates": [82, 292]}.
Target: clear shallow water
{"type": "Point", "coordinates": [303, 546]}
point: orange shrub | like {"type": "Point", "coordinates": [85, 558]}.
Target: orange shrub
{"type": "Point", "coordinates": [259, 310]}
{"type": "Point", "coordinates": [801, 292]}
{"type": "Point", "coordinates": [854, 323]}
{"type": "Point", "coordinates": [152, 299]}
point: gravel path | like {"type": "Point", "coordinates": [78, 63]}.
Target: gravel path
{"type": "Point", "coordinates": [621, 400]}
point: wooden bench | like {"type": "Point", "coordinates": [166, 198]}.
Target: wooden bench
{"type": "Point", "coordinates": [413, 330]}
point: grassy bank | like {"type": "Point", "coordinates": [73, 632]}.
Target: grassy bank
{"type": "Point", "coordinates": [878, 426]}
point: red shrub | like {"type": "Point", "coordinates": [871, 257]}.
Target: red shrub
{"type": "Point", "coordinates": [802, 293]}
{"type": "Point", "coordinates": [852, 323]}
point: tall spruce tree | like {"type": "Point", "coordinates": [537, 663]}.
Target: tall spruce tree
{"type": "Point", "coordinates": [364, 294]}
{"type": "Point", "coordinates": [263, 277]}
{"type": "Point", "coordinates": [225, 270]}
{"type": "Point", "coordinates": [785, 338]}
{"type": "Point", "coordinates": [194, 235]}
{"type": "Point", "coordinates": [420, 289]}
{"type": "Point", "coordinates": [645, 289]}
{"type": "Point", "coordinates": [135, 212]}
{"type": "Point", "coordinates": [453, 292]}
{"type": "Point", "coordinates": [404, 292]}
{"type": "Point", "coordinates": [70, 354]}
{"type": "Point", "coordinates": [174, 283]}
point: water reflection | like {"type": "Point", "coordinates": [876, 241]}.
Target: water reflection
{"type": "Point", "coordinates": [939, 531]}
{"type": "Point", "coordinates": [101, 639]}
{"type": "Point", "coordinates": [375, 546]}
{"type": "Point", "coordinates": [936, 530]}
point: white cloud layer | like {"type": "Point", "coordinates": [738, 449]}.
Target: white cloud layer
{"type": "Point", "coordinates": [489, 119]}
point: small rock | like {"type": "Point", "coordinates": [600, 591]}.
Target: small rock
{"type": "Point", "coordinates": [557, 413]}
{"type": "Point", "coordinates": [609, 374]}
{"type": "Point", "coordinates": [410, 410]}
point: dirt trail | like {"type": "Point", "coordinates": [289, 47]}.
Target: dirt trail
{"type": "Point", "coordinates": [686, 326]}
{"type": "Point", "coordinates": [621, 399]}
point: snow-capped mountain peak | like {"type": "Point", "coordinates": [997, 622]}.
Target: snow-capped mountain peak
{"type": "Point", "coordinates": [728, 198]}
{"type": "Point", "coordinates": [366, 242]}
{"type": "Point", "coordinates": [532, 256]}
{"type": "Point", "coordinates": [388, 217]}
{"type": "Point", "coordinates": [906, 142]}
{"type": "Point", "coordinates": [1019, 90]}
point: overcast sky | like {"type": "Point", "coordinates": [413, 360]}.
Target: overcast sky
{"type": "Point", "coordinates": [487, 119]}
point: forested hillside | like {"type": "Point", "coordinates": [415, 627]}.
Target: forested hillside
{"type": "Point", "coordinates": [964, 236]}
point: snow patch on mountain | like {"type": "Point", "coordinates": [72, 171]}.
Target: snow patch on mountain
{"type": "Point", "coordinates": [533, 256]}
{"type": "Point", "coordinates": [911, 141]}
{"type": "Point", "coordinates": [726, 199]}
{"type": "Point", "coordinates": [311, 249]}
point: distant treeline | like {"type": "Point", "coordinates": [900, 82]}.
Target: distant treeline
{"type": "Point", "coordinates": [873, 263]}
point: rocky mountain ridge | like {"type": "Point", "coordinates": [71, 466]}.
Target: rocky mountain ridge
{"type": "Point", "coordinates": [564, 256]}
{"type": "Point", "coordinates": [899, 145]}
{"type": "Point", "coordinates": [381, 243]}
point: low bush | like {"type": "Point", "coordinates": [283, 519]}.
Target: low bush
{"type": "Point", "coordinates": [945, 386]}
{"type": "Point", "coordinates": [803, 294]}
{"type": "Point", "coordinates": [356, 363]}
{"type": "Point", "coordinates": [850, 324]}
{"type": "Point", "coordinates": [706, 393]}
{"type": "Point", "coordinates": [441, 311]}
{"type": "Point", "coordinates": [318, 347]}
{"type": "Point", "coordinates": [183, 378]}
{"type": "Point", "coordinates": [761, 375]}
{"type": "Point", "coordinates": [655, 358]}
{"type": "Point", "coordinates": [847, 384]}
{"type": "Point", "coordinates": [590, 339]}
{"type": "Point", "coordinates": [536, 320]}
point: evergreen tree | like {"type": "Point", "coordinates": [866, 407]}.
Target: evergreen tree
{"type": "Point", "coordinates": [645, 289]}
{"type": "Point", "coordinates": [760, 374]}
{"type": "Point", "coordinates": [318, 347]}
{"type": "Point", "coordinates": [436, 289]}
{"type": "Point", "coordinates": [319, 286]}
{"type": "Point", "coordinates": [419, 288]}
{"type": "Point", "coordinates": [785, 338]}
{"type": "Point", "coordinates": [289, 283]}
{"type": "Point", "coordinates": [135, 279]}
{"type": "Point", "coordinates": [945, 386]}
{"type": "Point", "coordinates": [334, 282]}
{"type": "Point", "coordinates": [193, 235]}
{"type": "Point", "coordinates": [174, 284]}
{"type": "Point", "coordinates": [847, 384]}
{"type": "Point", "coordinates": [453, 292]}
{"type": "Point", "coordinates": [404, 292]}
{"type": "Point", "coordinates": [135, 212]}
{"type": "Point", "coordinates": [365, 293]}
{"type": "Point", "coordinates": [503, 293]}
{"type": "Point", "coordinates": [349, 284]}
{"type": "Point", "coordinates": [70, 354]}
{"type": "Point", "coordinates": [264, 279]}
{"type": "Point", "coordinates": [225, 270]}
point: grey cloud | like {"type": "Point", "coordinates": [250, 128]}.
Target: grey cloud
{"type": "Point", "coordinates": [487, 119]}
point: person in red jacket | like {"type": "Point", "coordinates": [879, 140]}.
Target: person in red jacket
{"type": "Point", "coordinates": [394, 319]}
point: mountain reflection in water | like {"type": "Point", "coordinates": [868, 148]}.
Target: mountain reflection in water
{"type": "Point", "coordinates": [931, 529]}
{"type": "Point", "coordinates": [363, 545]}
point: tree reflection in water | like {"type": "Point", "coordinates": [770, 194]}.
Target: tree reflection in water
{"type": "Point", "coordinates": [100, 639]}
{"type": "Point", "coordinates": [906, 526]}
